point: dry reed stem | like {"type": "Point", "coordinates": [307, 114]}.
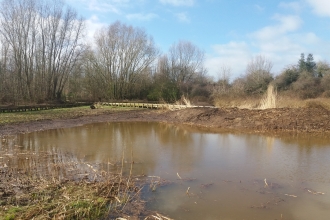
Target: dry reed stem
{"type": "Point", "coordinates": [79, 195]}
{"type": "Point", "coordinates": [270, 100]}
{"type": "Point", "coordinates": [294, 196]}
{"type": "Point", "coordinates": [186, 101]}
{"type": "Point", "coordinates": [266, 184]}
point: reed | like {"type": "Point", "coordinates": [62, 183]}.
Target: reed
{"type": "Point", "coordinates": [70, 190]}
{"type": "Point", "coordinates": [186, 101]}
{"type": "Point", "coordinates": [269, 101]}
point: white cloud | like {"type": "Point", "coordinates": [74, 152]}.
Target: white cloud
{"type": "Point", "coordinates": [286, 24]}
{"type": "Point", "coordinates": [178, 2]}
{"type": "Point", "coordinates": [92, 25]}
{"type": "Point", "coordinates": [113, 6]}
{"type": "Point", "coordinates": [234, 55]}
{"type": "Point", "coordinates": [259, 8]}
{"type": "Point", "coordinates": [294, 6]}
{"type": "Point", "coordinates": [280, 43]}
{"type": "Point", "coordinates": [320, 7]}
{"type": "Point", "coordinates": [141, 16]}
{"type": "Point", "coordinates": [183, 17]}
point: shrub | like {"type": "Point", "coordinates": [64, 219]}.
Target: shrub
{"type": "Point", "coordinates": [286, 78]}
{"type": "Point", "coordinates": [307, 87]}
{"type": "Point", "coordinates": [325, 82]}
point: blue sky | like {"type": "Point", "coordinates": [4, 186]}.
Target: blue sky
{"type": "Point", "coordinates": [231, 32]}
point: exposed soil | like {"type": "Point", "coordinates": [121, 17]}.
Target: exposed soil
{"type": "Point", "coordinates": [313, 119]}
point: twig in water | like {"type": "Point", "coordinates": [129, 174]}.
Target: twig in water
{"type": "Point", "coordinates": [291, 195]}
{"type": "Point", "coordinates": [316, 193]}
{"type": "Point", "coordinates": [187, 192]}
{"type": "Point", "coordinates": [266, 184]}
{"type": "Point", "coordinates": [179, 176]}
{"type": "Point", "coordinates": [163, 217]}
{"type": "Point", "coordinates": [156, 217]}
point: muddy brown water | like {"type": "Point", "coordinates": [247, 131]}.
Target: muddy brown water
{"type": "Point", "coordinates": [192, 174]}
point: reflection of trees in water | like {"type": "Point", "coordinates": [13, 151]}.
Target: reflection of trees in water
{"type": "Point", "coordinates": [183, 147]}
{"type": "Point", "coordinates": [150, 143]}
{"type": "Point", "coordinates": [300, 156]}
{"type": "Point", "coordinates": [257, 145]}
{"type": "Point", "coordinates": [304, 140]}
{"type": "Point", "coordinates": [311, 152]}
{"type": "Point", "coordinates": [42, 164]}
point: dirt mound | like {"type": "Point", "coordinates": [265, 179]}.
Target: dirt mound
{"type": "Point", "coordinates": [280, 119]}
{"type": "Point", "coordinates": [312, 119]}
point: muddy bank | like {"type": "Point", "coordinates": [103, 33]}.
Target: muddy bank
{"type": "Point", "coordinates": [316, 120]}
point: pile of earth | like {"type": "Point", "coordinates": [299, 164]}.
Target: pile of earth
{"type": "Point", "coordinates": [313, 119]}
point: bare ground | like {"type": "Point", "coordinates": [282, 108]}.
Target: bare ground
{"type": "Point", "coordinates": [313, 119]}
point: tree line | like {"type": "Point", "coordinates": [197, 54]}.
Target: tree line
{"type": "Point", "coordinates": [44, 58]}
{"type": "Point", "coordinates": [305, 79]}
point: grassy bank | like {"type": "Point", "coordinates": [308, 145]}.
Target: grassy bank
{"type": "Point", "coordinates": [34, 185]}
{"type": "Point", "coordinates": [63, 113]}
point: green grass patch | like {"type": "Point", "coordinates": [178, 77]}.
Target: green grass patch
{"type": "Point", "coordinates": [12, 213]}
{"type": "Point", "coordinates": [61, 113]}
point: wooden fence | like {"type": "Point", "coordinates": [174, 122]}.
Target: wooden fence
{"type": "Point", "coordinates": [145, 105]}
{"type": "Point", "coordinates": [39, 107]}
{"type": "Point", "coordinates": [114, 104]}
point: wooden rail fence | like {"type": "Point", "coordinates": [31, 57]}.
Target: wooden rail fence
{"type": "Point", "coordinates": [39, 107]}
{"type": "Point", "coordinates": [145, 105]}
{"type": "Point", "coordinates": [151, 105]}
{"type": "Point", "coordinates": [115, 104]}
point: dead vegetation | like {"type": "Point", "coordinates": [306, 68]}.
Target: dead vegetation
{"type": "Point", "coordinates": [52, 185]}
{"type": "Point", "coordinates": [269, 101]}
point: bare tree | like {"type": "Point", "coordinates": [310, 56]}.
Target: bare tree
{"type": "Point", "coordinates": [44, 45]}
{"type": "Point", "coordinates": [60, 47]}
{"type": "Point", "coordinates": [123, 54]}
{"type": "Point", "coordinates": [18, 29]}
{"type": "Point", "coordinates": [186, 60]}
{"type": "Point", "coordinates": [258, 74]}
{"type": "Point", "coordinates": [223, 82]}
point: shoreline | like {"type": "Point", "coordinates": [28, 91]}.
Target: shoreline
{"type": "Point", "coordinates": [280, 120]}
{"type": "Point", "coordinates": [67, 191]}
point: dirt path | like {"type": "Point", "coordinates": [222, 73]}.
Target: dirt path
{"type": "Point", "coordinates": [316, 120]}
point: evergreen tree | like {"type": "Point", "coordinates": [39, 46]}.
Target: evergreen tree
{"type": "Point", "coordinates": [310, 64]}
{"type": "Point", "coordinates": [302, 63]}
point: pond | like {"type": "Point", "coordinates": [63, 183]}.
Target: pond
{"type": "Point", "coordinates": [194, 174]}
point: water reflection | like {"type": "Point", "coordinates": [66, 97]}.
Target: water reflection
{"type": "Point", "coordinates": [224, 172]}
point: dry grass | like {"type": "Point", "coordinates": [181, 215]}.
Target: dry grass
{"type": "Point", "coordinates": [272, 100]}
{"type": "Point", "coordinates": [237, 102]}
{"type": "Point", "coordinates": [183, 101]}
{"type": "Point", "coordinates": [33, 188]}
{"type": "Point", "coordinates": [269, 101]}
{"type": "Point", "coordinates": [290, 102]}
{"type": "Point", "coordinates": [186, 101]}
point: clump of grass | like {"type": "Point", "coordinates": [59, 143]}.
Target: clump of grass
{"type": "Point", "coordinates": [83, 192]}
{"type": "Point", "coordinates": [269, 101]}
{"type": "Point", "coordinates": [318, 103]}
{"type": "Point", "coordinates": [183, 101]}
{"type": "Point", "coordinates": [244, 102]}
{"type": "Point", "coordinates": [186, 101]}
